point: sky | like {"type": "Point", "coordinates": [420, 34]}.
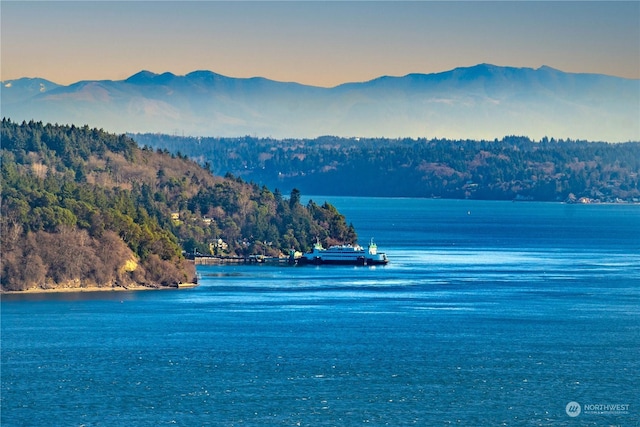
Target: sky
{"type": "Point", "coordinates": [316, 43]}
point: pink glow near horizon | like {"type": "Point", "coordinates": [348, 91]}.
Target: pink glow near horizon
{"type": "Point", "coordinates": [316, 43]}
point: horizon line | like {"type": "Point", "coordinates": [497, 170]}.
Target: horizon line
{"type": "Point", "coordinates": [155, 74]}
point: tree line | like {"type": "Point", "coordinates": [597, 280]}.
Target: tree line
{"type": "Point", "coordinates": [83, 207]}
{"type": "Point", "coordinates": [513, 168]}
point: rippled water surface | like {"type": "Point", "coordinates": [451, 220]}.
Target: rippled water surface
{"type": "Point", "coordinates": [489, 313]}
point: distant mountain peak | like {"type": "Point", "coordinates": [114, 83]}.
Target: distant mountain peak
{"type": "Point", "coordinates": [202, 74]}
{"type": "Point", "coordinates": [22, 89]}
{"type": "Point", "coordinates": [165, 78]}
{"type": "Point", "coordinates": [547, 68]}
{"type": "Point", "coordinates": [483, 66]}
{"type": "Point", "coordinates": [143, 76]}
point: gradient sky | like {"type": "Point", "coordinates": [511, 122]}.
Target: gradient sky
{"type": "Point", "coordinates": [317, 43]}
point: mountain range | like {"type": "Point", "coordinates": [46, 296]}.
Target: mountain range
{"type": "Point", "coordinates": [479, 102]}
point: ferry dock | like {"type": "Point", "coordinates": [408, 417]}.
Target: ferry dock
{"type": "Point", "coordinates": [251, 259]}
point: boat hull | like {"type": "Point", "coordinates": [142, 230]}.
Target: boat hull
{"type": "Point", "coordinates": [342, 255]}
{"type": "Point", "coordinates": [355, 261]}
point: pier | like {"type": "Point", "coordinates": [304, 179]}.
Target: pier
{"type": "Point", "coordinates": [251, 259]}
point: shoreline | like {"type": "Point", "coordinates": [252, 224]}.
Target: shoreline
{"type": "Point", "coordinates": [134, 288]}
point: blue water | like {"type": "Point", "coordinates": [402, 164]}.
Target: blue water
{"type": "Point", "coordinates": [490, 313]}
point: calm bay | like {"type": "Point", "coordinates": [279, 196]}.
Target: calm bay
{"type": "Point", "coordinates": [489, 313]}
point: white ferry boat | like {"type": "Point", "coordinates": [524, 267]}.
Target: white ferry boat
{"type": "Point", "coordinates": [344, 254]}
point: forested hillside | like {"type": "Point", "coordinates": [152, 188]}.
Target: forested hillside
{"type": "Point", "coordinates": [81, 207]}
{"type": "Point", "coordinates": [514, 168]}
